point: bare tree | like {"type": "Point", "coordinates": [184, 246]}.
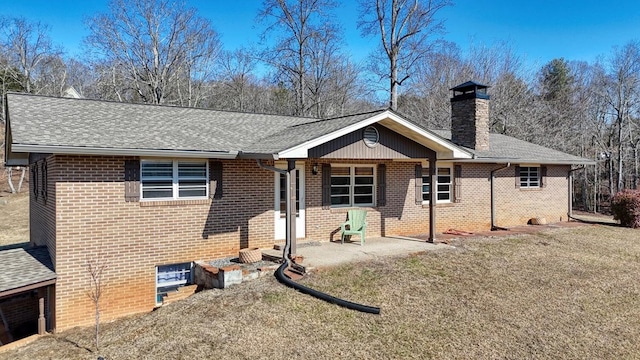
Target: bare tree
{"type": "Point", "coordinates": [153, 43]}
{"type": "Point", "coordinates": [95, 268]}
{"type": "Point", "coordinates": [301, 24]}
{"type": "Point", "coordinates": [26, 50]}
{"type": "Point", "coordinates": [621, 92]}
{"type": "Point", "coordinates": [237, 75]}
{"type": "Point", "coordinates": [405, 29]}
{"type": "Point", "coordinates": [28, 46]}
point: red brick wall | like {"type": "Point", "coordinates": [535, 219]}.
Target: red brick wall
{"type": "Point", "coordinates": [401, 216]}
{"type": "Point", "coordinates": [93, 221]}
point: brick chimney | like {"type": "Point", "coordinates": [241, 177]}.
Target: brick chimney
{"type": "Point", "coordinates": [470, 116]}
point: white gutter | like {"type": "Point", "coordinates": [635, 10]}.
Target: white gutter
{"type": "Point", "coordinates": [79, 150]}
{"type": "Point", "coordinates": [522, 161]}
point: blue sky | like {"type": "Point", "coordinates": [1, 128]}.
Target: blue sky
{"type": "Point", "coordinates": [537, 30]}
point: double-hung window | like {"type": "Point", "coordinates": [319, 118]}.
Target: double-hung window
{"type": "Point", "coordinates": [352, 185]}
{"type": "Point", "coordinates": [529, 176]}
{"type": "Point", "coordinates": [174, 179]}
{"type": "Point", "coordinates": [444, 185]}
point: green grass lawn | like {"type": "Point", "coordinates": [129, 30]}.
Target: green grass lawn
{"type": "Point", "coordinates": [561, 294]}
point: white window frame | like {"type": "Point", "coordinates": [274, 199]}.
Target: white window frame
{"type": "Point", "coordinates": [352, 184]}
{"type": "Point", "coordinates": [175, 179]}
{"type": "Point", "coordinates": [526, 171]}
{"type": "Point", "coordinates": [185, 280]}
{"type": "Point", "coordinates": [425, 174]}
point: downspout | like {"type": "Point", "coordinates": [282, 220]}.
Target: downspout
{"type": "Point", "coordinates": [493, 199]}
{"type": "Point", "coordinates": [286, 256]}
{"type": "Point", "coordinates": [570, 213]}
{"type": "Point", "coordinates": [286, 253]}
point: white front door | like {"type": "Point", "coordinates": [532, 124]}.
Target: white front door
{"type": "Point", "coordinates": [280, 182]}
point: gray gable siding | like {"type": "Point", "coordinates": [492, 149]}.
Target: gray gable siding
{"type": "Point", "coordinates": [351, 146]}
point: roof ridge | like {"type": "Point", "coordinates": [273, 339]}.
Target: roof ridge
{"type": "Point", "coordinates": [166, 106]}
{"type": "Point", "coordinates": [339, 117]}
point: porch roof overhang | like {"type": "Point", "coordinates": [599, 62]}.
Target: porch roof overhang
{"type": "Point", "coordinates": [24, 270]}
{"type": "Point", "coordinates": [443, 147]}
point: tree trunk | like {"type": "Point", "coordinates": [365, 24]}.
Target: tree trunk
{"type": "Point", "coordinates": [635, 167]}
{"type": "Point", "coordinates": [97, 327]}
{"type": "Point", "coordinates": [610, 169]}
{"type": "Point", "coordinates": [10, 180]}
{"type": "Point", "coordinates": [393, 100]}
{"type": "Point", "coordinates": [24, 170]}
{"type": "Point", "coordinates": [620, 184]}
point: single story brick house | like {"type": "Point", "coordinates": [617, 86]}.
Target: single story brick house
{"type": "Point", "coordinates": [149, 189]}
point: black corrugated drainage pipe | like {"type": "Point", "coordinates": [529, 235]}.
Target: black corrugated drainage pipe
{"type": "Point", "coordinates": [320, 295]}
{"type": "Point", "coordinates": [493, 199]}
{"type": "Point", "coordinates": [279, 274]}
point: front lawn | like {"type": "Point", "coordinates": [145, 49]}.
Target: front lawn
{"type": "Point", "coordinates": [560, 294]}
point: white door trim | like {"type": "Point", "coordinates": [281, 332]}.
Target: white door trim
{"type": "Point", "coordinates": [280, 221]}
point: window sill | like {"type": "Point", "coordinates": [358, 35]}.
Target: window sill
{"type": "Point", "coordinates": [155, 203]}
{"type": "Point", "coordinates": [530, 189]}
{"type": "Point", "coordinates": [344, 210]}
{"type": "Point", "coordinates": [439, 205]}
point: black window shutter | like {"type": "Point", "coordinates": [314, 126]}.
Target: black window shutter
{"type": "Point", "coordinates": [326, 186]}
{"type": "Point", "coordinates": [517, 177]}
{"type": "Point", "coordinates": [382, 185]}
{"type": "Point", "coordinates": [34, 180]}
{"type": "Point", "coordinates": [44, 176]}
{"type": "Point", "coordinates": [131, 180]}
{"type": "Point", "coordinates": [543, 176]}
{"type": "Point", "coordinates": [419, 185]}
{"type": "Point", "coordinates": [215, 179]}
{"type": "Point", "coordinates": [457, 193]}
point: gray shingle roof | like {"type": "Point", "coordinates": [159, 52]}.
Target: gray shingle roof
{"type": "Point", "coordinates": [23, 267]}
{"type": "Point", "coordinates": [103, 124]}
{"type": "Point", "coordinates": [300, 133]}
{"type": "Point", "coordinates": [507, 148]}
{"type": "Point", "coordinates": [64, 122]}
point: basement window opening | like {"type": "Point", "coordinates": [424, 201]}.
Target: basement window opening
{"type": "Point", "coordinates": [170, 277]}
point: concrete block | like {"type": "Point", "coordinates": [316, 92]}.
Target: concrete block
{"type": "Point", "coordinates": [229, 275]}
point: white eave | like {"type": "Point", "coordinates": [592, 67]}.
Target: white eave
{"type": "Point", "coordinates": [487, 160]}
{"type": "Point", "coordinates": [81, 150]}
{"type": "Point", "coordinates": [444, 148]}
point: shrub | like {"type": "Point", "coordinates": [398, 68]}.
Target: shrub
{"type": "Point", "coordinates": [625, 206]}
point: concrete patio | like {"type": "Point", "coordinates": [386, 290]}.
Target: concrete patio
{"type": "Point", "coordinates": [321, 254]}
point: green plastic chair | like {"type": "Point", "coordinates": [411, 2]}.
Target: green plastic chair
{"type": "Point", "coordinates": [355, 225]}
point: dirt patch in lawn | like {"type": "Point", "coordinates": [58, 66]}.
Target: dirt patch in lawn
{"type": "Point", "coordinates": [569, 293]}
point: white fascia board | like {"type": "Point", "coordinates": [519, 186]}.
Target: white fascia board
{"type": "Point", "coordinates": [78, 150]}
{"type": "Point", "coordinates": [302, 150]}
{"type": "Point", "coordinates": [528, 161]}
